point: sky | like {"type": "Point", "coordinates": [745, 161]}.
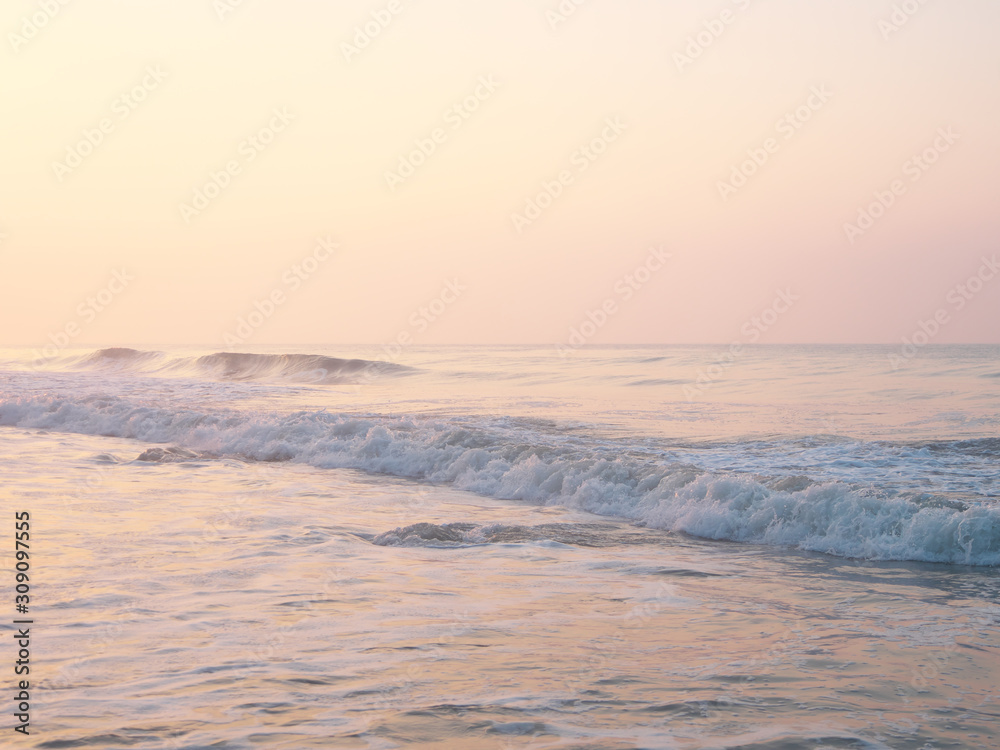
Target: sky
{"type": "Point", "coordinates": [230, 173]}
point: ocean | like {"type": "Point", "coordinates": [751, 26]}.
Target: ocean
{"type": "Point", "coordinates": [767, 548]}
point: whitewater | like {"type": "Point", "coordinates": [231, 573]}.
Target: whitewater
{"type": "Point", "coordinates": [498, 547]}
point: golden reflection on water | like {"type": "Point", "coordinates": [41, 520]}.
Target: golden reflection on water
{"type": "Point", "coordinates": [220, 601]}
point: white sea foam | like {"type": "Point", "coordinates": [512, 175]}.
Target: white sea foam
{"type": "Point", "coordinates": [834, 517]}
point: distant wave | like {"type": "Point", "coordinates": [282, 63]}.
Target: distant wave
{"type": "Point", "coordinates": [301, 368]}
{"type": "Point", "coordinates": [312, 368]}
{"type": "Point", "coordinates": [657, 381]}
{"type": "Point", "coordinates": [834, 517]}
{"type": "Point", "coordinates": [118, 359]}
{"type": "Point", "coordinates": [122, 355]}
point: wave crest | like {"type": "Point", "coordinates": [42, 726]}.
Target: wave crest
{"type": "Point", "coordinates": [120, 356]}
{"type": "Point", "coordinates": [311, 368]}
{"type": "Point", "coordinates": [240, 366]}
{"type": "Point", "coordinates": [462, 534]}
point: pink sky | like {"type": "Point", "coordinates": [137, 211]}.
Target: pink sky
{"type": "Point", "coordinates": [841, 153]}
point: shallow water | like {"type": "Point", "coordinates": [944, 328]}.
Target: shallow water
{"type": "Point", "coordinates": [298, 564]}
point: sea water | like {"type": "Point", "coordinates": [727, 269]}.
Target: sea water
{"type": "Point", "coordinates": [508, 547]}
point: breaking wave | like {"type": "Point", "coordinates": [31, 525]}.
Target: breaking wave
{"type": "Point", "coordinates": [237, 366]}
{"type": "Point", "coordinates": [834, 517]}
